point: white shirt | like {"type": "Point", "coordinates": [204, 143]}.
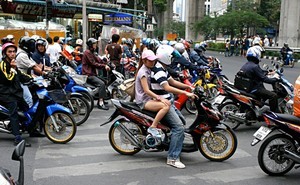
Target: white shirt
{"type": "Point", "coordinates": [266, 42]}
{"type": "Point", "coordinates": [23, 61]}
{"type": "Point", "coordinates": [54, 52]}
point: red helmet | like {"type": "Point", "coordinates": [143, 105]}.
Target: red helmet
{"type": "Point", "coordinates": [186, 44]}
{"type": "Point", "coordinates": [7, 45]}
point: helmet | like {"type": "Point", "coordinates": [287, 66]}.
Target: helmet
{"type": "Point", "coordinates": [4, 40]}
{"type": "Point", "coordinates": [203, 46]}
{"type": "Point", "coordinates": [146, 41]}
{"type": "Point", "coordinates": [164, 54]}
{"type": "Point", "coordinates": [186, 44]}
{"type": "Point", "coordinates": [27, 44]}
{"type": "Point", "coordinates": [286, 45]}
{"type": "Point", "coordinates": [68, 39]}
{"type": "Point", "coordinates": [7, 45]}
{"type": "Point", "coordinates": [129, 42]}
{"type": "Point", "coordinates": [90, 42]}
{"type": "Point", "coordinates": [62, 39]}
{"type": "Point", "coordinates": [154, 44]}
{"type": "Point", "coordinates": [257, 41]}
{"type": "Point", "coordinates": [35, 37]}
{"type": "Point", "coordinates": [254, 53]}
{"type": "Point", "coordinates": [10, 38]}
{"type": "Point", "coordinates": [179, 47]}
{"type": "Point", "coordinates": [42, 42]}
{"type": "Point", "coordinates": [198, 48]}
{"type": "Point", "coordinates": [123, 41]}
{"type": "Point", "coordinates": [79, 42]}
{"type": "Point", "coordinates": [164, 42]}
{"type": "Point", "coordinates": [172, 43]}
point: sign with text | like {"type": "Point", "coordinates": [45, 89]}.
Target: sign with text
{"type": "Point", "coordinates": [118, 18]}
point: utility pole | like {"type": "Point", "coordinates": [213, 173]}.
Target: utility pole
{"type": "Point", "coordinates": [149, 15]}
{"type": "Point", "coordinates": [48, 15]}
{"type": "Point", "coordinates": [135, 13]}
{"type": "Point", "coordinates": [84, 24]}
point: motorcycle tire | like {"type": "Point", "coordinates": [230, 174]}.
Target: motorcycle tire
{"type": "Point", "coordinates": [218, 144]}
{"type": "Point", "coordinates": [89, 98]}
{"type": "Point", "coordinates": [190, 106]}
{"type": "Point", "coordinates": [271, 153]}
{"type": "Point", "coordinates": [81, 109]}
{"type": "Point", "coordinates": [292, 63]}
{"type": "Point", "coordinates": [118, 140]}
{"type": "Point", "coordinates": [66, 127]}
{"type": "Point", "coordinates": [211, 93]}
{"type": "Point", "coordinates": [229, 106]}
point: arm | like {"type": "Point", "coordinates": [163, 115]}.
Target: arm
{"type": "Point", "coordinates": [177, 84]}
{"type": "Point", "coordinates": [90, 59]}
{"type": "Point", "coordinates": [174, 90]}
{"type": "Point", "coordinates": [146, 89]}
{"type": "Point", "coordinates": [261, 75]}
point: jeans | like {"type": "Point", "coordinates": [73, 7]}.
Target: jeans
{"type": "Point", "coordinates": [13, 117]}
{"type": "Point", "coordinates": [27, 95]}
{"type": "Point", "coordinates": [177, 133]}
{"type": "Point", "coordinates": [98, 83]}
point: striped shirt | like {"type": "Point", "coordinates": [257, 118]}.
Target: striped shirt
{"type": "Point", "coordinates": [159, 76]}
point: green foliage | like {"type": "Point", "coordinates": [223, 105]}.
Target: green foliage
{"type": "Point", "coordinates": [158, 32]}
{"type": "Point", "coordinates": [176, 27]}
{"type": "Point", "coordinates": [270, 9]}
{"type": "Point", "coordinates": [216, 46]}
{"type": "Point", "coordinates": [242, 5]}
{"type": "Point", "coordinates": [160, 5]}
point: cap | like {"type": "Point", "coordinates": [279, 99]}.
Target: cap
{"type": "Point", "coordinates": [149, 54]}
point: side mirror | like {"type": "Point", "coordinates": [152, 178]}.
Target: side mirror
{"type": "Point", "coordinates": [19, 151]}
{"type": "Point", "coordinates": [277, 66]}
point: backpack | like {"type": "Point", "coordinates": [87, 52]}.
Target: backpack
{"type": "Point", "coordinates": [242, 82]}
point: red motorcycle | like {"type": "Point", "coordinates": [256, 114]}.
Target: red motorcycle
{"type": "Point", "coordinates": [128, 135]}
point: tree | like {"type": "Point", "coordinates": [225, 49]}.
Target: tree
{"type": "Point", "coordinates": [270, 9]}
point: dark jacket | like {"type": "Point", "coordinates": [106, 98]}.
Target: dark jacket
{"type": "Point", "coordinates": [195, 58]}
{"type": "Point", "coordinates": [10, 83]}
{"type": "Point", "coordinates": [90, 63]}
{"type": "Point", "coordinates": [253, 71]}
{"type": "Point", "coordinates": [38, 58]}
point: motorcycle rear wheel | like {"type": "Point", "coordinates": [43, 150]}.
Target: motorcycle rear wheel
{"type": "Point", "coordinates": [292, 63]}
{"type": "Point", "coordinates": [118, 140]}
{"type": "Point", "coordinates": [218, 144]}
{"type": "Point", "coordinates": [269, 156]}
{"type": "Point", "coordinates": [190, 106]}
{"type": "Point", "coordinates": [66, 124]}
{"type": "Point", "coordinates": [229, 108]}
{"type": "Point", "coordinates": [89, 98]}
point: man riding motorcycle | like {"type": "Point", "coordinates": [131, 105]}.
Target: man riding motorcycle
{"type": "Point", "coordinates": [252, 71]}
{"type": "Point", "coordinates": [284, 50]}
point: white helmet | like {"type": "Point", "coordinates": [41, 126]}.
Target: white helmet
{"type": "Point", "coordinates": [179, 47]}
{"type": "Point", "coordinates": [256, 41]}
{"type": "Point", "coordinates": [164, 42]}
{"type": "Point", "coordinates": [254, 52]}
{"type": "Point", "coordinates": [164, 54]}
{"type": "Point", "coordinates": [79, 42]}
{"type": "Point", "coordinates": [172, 43]}
{"type": "Point", "coordinates": [35, 37]}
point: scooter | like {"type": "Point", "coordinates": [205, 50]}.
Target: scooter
{"type": "Point", "coordinates": [128, 135]}
{"type": "Point", "coordinates": [279, 153]}
{"type": "Point", "coordinates": [55, 119]}
{"type": "Point", "coordinates": [289, 61]}
{"type": "Point", "coordinates": [5, 176]}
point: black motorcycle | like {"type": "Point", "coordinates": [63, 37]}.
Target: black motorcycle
{"type": "Point", "coordinates": [280, 152]}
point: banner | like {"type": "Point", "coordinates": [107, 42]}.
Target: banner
{"type": "Point", "coordinates": [118, 18]}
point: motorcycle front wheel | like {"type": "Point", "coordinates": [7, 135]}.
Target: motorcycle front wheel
{"type": "Point", "coordinates": [66, 127]}
{"type": "Point", "coordinates": [81, 109]}
{"type": "Point", "coordinates": [218, 144]}
{"type": "Point", "coordinates": [89, 98]}
{"type": "Point", "coordinates": [270, 153]}
{"type": "Point", "coordinates": [190, 106]}
{"type": "Point", "coordinates": [119, 140]}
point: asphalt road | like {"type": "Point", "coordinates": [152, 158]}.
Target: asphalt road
{"type": "Point", "coordinates": [89, 159]}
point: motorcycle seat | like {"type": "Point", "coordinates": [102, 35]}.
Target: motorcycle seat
{"type": "Point", "coordinates": [289, 118]}
{"type": "Point", "coordinates": [133, 105]}
{"type": "Point", "coordinates": [248, 94]}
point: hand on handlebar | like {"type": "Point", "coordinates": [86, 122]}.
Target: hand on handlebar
{"type": "Point", "coordinates": [191, 95]}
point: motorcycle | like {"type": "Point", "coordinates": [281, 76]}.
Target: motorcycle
{"type": "Point", "coordinates": [216, 75]}
{"type": "Point", "coordinates": [55, 119]}
{"type": "Point", "coordinates": [289, 61]}
{"type": "Point", "coordinates": [240, 107]}
{"type": "Point", "coordinates": [128, 135]}
{"type": "Point", "coordinates": [279, 153]}
{"type": "Point", "coordinates": [5, 176]}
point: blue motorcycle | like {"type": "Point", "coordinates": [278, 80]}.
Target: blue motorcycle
{"type": "Point", "coordinates": [55, 119]}
{"type": "Point", "coordinates": [289, 60]}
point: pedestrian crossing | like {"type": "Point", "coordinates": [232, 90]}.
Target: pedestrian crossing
{"type": "Point", "coordinates": [89, 155]}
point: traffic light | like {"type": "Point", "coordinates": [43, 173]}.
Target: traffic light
{"type": "Point", "coordinates": [48, 9]}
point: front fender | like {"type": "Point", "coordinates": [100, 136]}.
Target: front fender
{"type": "Point", "coordinates": [77, 88]}
{"type": "Point", "coordinates": [75, 94]}
{"type": "Point", "coordinates": [209, 86]}
{"type": "Point", "coordinates": [57, 107]}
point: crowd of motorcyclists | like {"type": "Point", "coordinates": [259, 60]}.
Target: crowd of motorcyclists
{"type": "Point", "coordinates": [160, 63]}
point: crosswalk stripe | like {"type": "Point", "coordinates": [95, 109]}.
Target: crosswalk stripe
{"type": "Point", "coordinates": [225, 176]}
{"type": "Point", "coordinates": [96, 168]}
{"type": "Point", "coordinates": [51, 153]}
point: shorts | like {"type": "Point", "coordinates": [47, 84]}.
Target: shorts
{"type": "Point", "coordinates": [141, 105]}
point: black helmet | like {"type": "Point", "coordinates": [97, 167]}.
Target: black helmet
{"type": "Point", "coordinates": [4, 40]}
{"type": "Point", "coordinates": [90, 42]}
{"type": "Point", "coordinates": [286, 45]}
{"type": "Point", "coordinates": [27, 44]}
{"type": "Point", "coordinates": [41, 41]}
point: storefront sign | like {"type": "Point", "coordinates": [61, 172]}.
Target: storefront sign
{"type": "Point", "coordinates": [95, 17]}
{"type": "Point", "coordinates": [118, 18]}
{"type": "Point", "coordinates": [36, 10]}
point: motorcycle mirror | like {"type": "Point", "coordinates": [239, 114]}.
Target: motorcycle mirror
{"type": "Point", "coordinates": [19, 151]}
{"type": "Point", "coordinates": [277, 66]}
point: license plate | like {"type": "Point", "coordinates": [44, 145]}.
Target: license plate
{"type": "Point", "coordinates": [262, 132]}
{"type": "Point", "coordinates": [219, 99]}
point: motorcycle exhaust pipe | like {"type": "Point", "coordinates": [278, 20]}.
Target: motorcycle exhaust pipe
{"type": "Point", "coordinates": [127, 134]}
{"type": "Point", "coordinates": [235, 117]}
{"type": "Point", "coordinates": [290, 155]}
{"type": "Point", "coordinates": [5, 131]}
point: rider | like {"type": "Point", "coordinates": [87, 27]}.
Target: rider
{"type": "Point", "coordinates": [284, 50]}
{"type": "Point", "coordinates": [78, 51]}
{"type": "Point", "coordinates": [11, 92]}
{"type": "Point", "coordinates": [40, 56]}
{"type": "Point", "coordinates": [196, 58]}
{"type": "Point", "coordinates": [90, 63]}
{"type": "Point", "coordinates": [163, 84]}
{"type": "Point", "coordinates": [252, 70]}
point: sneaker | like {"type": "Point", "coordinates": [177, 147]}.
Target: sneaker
{"type": "Point", "coordinates": [175, 163]}
{"type": "Point", "coordinates": [103, 107]}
